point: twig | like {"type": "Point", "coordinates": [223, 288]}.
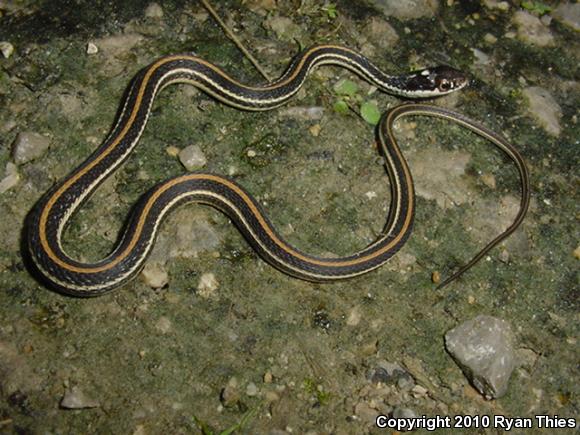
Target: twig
{"type": "Point", "coordinates": [234, 38]}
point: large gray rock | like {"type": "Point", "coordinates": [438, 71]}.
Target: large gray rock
{"type": "Point", "coordinates": [483, 348]}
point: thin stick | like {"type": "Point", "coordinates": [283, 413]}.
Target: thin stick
{"type": "Point", "coordinates": [234, 38]}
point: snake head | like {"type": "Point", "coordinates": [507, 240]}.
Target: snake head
{"type": "Point", "coordinates": [436, 81]}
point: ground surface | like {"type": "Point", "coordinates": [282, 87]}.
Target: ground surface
{"type": "Point", "coordinates": [229, 339]}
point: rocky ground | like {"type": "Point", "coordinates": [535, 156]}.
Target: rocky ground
{"type": "Point", "coordinates": [210, 337]}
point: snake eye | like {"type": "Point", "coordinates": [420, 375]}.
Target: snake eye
{"type": "Point", "coordinates": [445, 85]}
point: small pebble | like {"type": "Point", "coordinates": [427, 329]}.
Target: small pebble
{"type": "Point", "coordinates": [315, 130]}
{"type": "Point", "coordinates": [173, 151]}
{"type": "Point", "coordinates": [251, 390]}
{"type": "Point", "coordinates": [92, 48]}
{"type": "Point", "coordinates": [155, 275]}
{"type": "Point", "coordinates": [489, 180]}
{"type": "Point", "coordinates": [489, 38]}
{"type": "Point", "coordinates": [192, 157]}
{"type": "Point", "coordinates": [207, 285]}
{"type": "Point", "coordinates": [405, 383]}
{"type": "Point", "coordinates": [546, 20]}
{"type": "Point", "coordinates": [74, 398]}
{"type": "Point", "coordinates": [504, 256]}
{"type": "Point", "coordinates": [6, 48]}
{"type": "Point", "coordinates": [436, 277]}
{"type": "Point", "coordinates": [419, 391]}
{"type": "Point", "coordinates": [577, 253]}
{"type": "Point", "coordinates": [153, 10]}
{"type": "Point", "coordinates": [271, 396]}
{"type": "Point", "coordinates": [230, 394]}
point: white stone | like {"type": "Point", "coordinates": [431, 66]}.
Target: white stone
{"type": "Point", "coordinates": [483, 348]}
{"type": "Point", "coordinates": [207, 285]}
{"type": "Point", "coordinates": [154, 10]}
{"type": "Point", "coordinates": [489, 38]}
{"type": "Point", "coordinates": [192, 157]}
{"type": "Point", "coordinates": [75, 398]}
{"type": "Point", "coordinates": [155, 275]}
{"type": "Point", "coordinates": [251, 390]}
{"type": "Point", "coordinates": [6, 48]}
{"type": "Point", "coordinates": [92, 48]}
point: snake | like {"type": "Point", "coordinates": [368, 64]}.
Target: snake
{"type": "Point", "coordinates": [48, 219]}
